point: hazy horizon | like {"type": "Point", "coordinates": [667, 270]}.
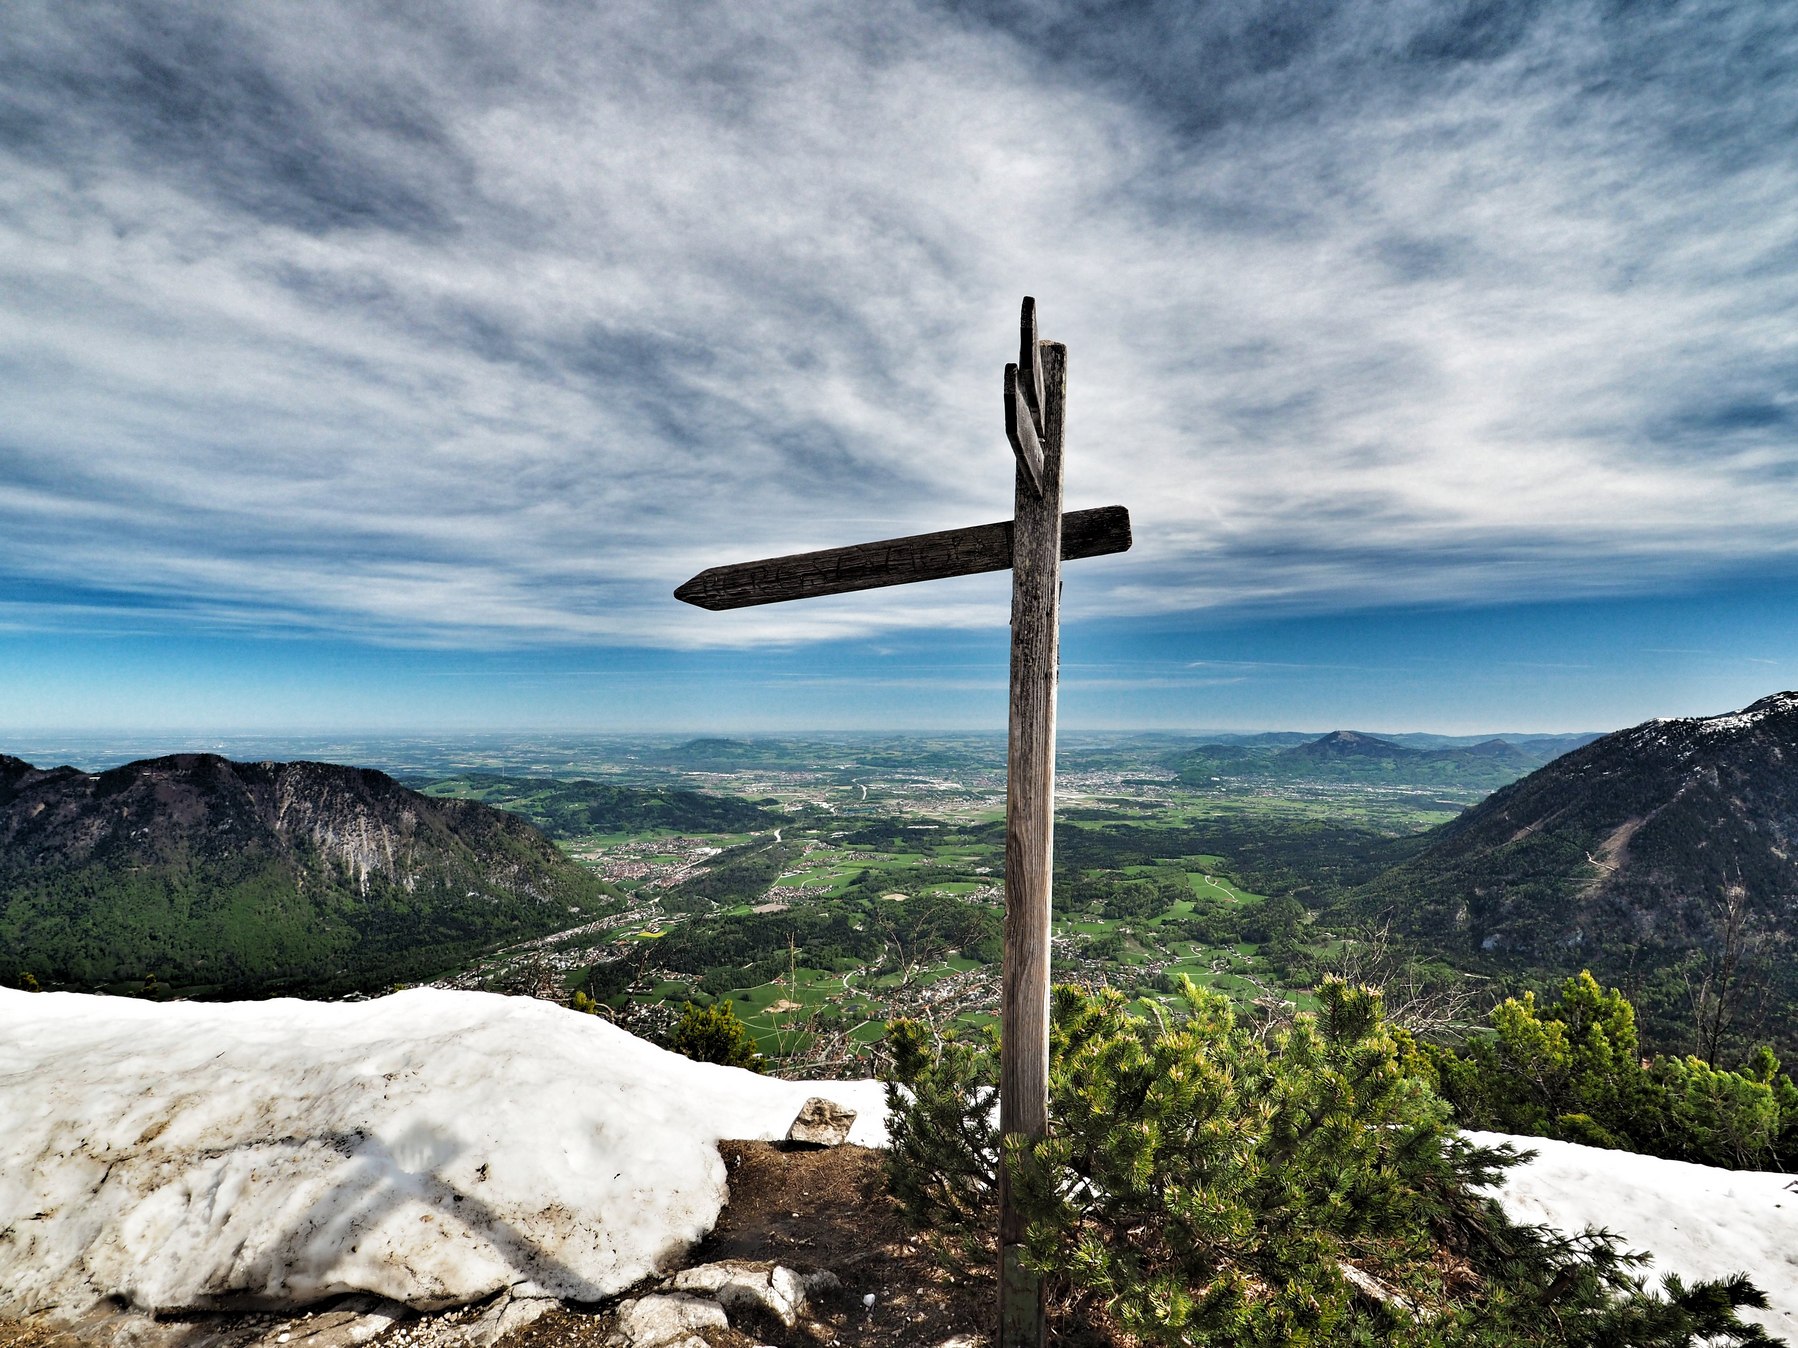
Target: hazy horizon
{"type": "Point", "coordinates": [99, 751]}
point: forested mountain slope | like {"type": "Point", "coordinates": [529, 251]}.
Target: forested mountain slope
{"type": "Point", "coordinates": [258, 877]}
{"type": "Point", "coordinates": [1664, 857]}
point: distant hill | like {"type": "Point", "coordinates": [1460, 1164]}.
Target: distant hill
{"type": "Point", "coordinates": [253, 878]}
{"type": "Point", "coordinates": [575, 809]}
{"type": "Point", "coordinates": [1655, 856]}
{"type": "Point", "coordinates": [1348, 756]}
{"type": "Point", "coordinates": [715, 749]}
{"type": "Point", "coordinates": [1266, 739]}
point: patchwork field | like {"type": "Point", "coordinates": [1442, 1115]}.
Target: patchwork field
{"type": "Point", "coordinates": [873, 887]}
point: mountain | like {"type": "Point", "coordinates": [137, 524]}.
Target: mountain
{"type": "Point", "coordinates": [1349, 756]}
{"type": "Point", "coordinates": [252, 878]}
{"type": "Point", "coordinates": [1347, 746]}
{"type": "Point", "coordinates": [1664, 857]}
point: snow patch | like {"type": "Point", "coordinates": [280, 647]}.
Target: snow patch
{"type": "Point", "coordinates": [437, 1147]}
{"type": "Point", "coordinates": [431, 1147]}
{"type": "Point", "coordinates": [1778, 704]}
{"type": "Point", "coordinates": [1696, 1220]}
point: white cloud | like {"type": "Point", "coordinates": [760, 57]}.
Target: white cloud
{"type": "Point", "coordinates": [493, 329]}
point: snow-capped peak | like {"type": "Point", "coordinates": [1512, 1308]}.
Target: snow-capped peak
{"type": "Point", "coordinates": [1751, 715]}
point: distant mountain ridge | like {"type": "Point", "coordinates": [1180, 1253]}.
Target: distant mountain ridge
{"type": "Point", "coordinates": [255, 877]}
{"type": "Point", "coordinates": [1351, 756]}
{"type": "Point", "coordinates": [1647, 855]}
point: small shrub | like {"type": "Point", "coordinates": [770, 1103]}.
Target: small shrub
{"type": "Point", "coordinates": [583, 1003]}
{"type": "Point", "coordinates": [714, 1034]}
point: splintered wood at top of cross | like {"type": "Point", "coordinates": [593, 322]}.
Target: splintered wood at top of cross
{"type": "Point", "coordinates": [1024, 399]}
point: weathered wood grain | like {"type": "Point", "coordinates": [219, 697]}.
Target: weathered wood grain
{"type": "Point", "coordinates": [898, 561]}
{"type": "Point", "coordinates": [1020, 429]}
{"type": "Point", "coordinates": [1029, 842]}
{"type": "Point", "coordinates": [1030, 362]}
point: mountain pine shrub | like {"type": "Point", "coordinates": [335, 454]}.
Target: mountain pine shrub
{"type": "Point", "coordinates": [1208, 1182]}
{"type": "Point", "coordinates": [714, 1034]}
{"type": "Point", "coordinates": [1573, 1069]}
{"type": "Point", "coordinates": [581, 1002]}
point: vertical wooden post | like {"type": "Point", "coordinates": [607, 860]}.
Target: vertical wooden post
{"type": "Point", "coordinates": [1030, 837]}
{"type": "Point", "coordinates": [1032, 546]}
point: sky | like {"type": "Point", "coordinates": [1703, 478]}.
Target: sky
{"type": "Point", "coordinates": [386, 366]}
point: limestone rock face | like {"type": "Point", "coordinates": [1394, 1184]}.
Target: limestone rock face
{"type": "Point", "coordinates": [270, 875]}
{"type": "Point", "coordinates": [821, 1123]}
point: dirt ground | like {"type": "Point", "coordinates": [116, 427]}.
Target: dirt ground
{"type": "Point", "coordinates": [813, 1210]}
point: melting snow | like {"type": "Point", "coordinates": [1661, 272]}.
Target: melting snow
{"type": "Point", "coordinates": [1685, 727]}
{"type": "Point", "coordinates": [1719, 725]}
{"type": "Point", "coordinates": [432, 1147]}
{"type": "Point", "coordinates": [1696, 1220]}
{"type": "Point", "coordinates": [435, 1147]}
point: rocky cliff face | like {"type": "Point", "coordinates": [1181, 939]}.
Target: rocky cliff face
{"type": "Point", "coordinates": [254, 875]}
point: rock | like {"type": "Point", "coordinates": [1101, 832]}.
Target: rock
{"type": "Point", "coordinates": [821, 1123]}
{"type": "Point", "coordinates": [659, 1321]}
{"type": "Point", "coordinates": [963, 1341]}
{"type": "Point", "coordinates": [769, 1287]}
{"type": "Point", "coordinates": [349, 1323]}
{"type": "Point", "coordinates": [346, 1323]}
{"type": "Point", "coordinates": [505, 1316]}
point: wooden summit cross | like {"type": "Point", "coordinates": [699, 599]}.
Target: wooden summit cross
{"type": "Point", "coordinates": [1033, 544]}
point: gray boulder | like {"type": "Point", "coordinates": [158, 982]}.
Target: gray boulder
{"type": "Point", "coordinates": [821, 1123]}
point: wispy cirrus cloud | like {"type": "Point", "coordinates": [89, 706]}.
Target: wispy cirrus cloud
{"type": "Point", "coordinates": [460, 324]}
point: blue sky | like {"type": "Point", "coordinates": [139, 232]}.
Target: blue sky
{"type": "Point", "coordinates": [385, 366]}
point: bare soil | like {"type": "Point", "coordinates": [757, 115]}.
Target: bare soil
{"type": "Point", "coordinates": [810, 1210]}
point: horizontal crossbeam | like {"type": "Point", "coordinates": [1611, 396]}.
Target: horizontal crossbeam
{"type": "Point", "coordinates": [896, 561]}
